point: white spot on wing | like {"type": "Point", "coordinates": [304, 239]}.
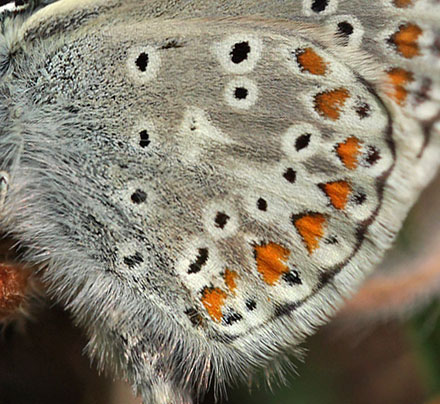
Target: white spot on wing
{"type": "Point", "coordinates": [151, 68]}
{"type": "Point", "coordinates": [236, 89]}
{"type": "Point", "coordinates": [224, 51]}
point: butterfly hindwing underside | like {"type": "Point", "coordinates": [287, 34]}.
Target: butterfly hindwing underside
{"type": "Point", "coordinates": [204, 182]}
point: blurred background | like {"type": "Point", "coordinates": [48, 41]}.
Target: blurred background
{"type": "Point", "coordinates": [384, 347]}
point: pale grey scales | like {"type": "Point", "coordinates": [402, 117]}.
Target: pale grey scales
{"type": "Point", "coordinates": [204, 182]}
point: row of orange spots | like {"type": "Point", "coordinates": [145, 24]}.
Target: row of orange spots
{"type": "Point", "coordinates": [338, 193]}
{"type": "Point", "coordinates": [330, 103]}
{"type": "Point", "coordinates": [403, 3]}
{"type": "Point", "coordinates": [271, 261]}
{"type": "Point", "coordinates": [311, 62]}
{"type": "Point", "coordinates": [349, 151]}
{"type": "Point", "coordinates": [399, 79]}
{"type": "Point", "coordinates": [405, 40]}
{"type": "Point", "coordinates": [311, 229]}
{"type": "Point", "coordinates": [213, 299]}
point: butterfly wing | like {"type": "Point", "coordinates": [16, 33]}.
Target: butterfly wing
{"type": "Point", "coordinates": [205, 182]}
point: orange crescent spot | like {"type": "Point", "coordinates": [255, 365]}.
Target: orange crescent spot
{"type": "Point", "coordinates": [311, 62]}
{"type": "Point", "coordinates": [406, 40]}
{"type": "Point", "coordinates": [349, 151]}
{"type": "Point", "coordinates": [213, 299]}
{"type": "Point", "coordinates": [338, 193]}
{"type": "Point", "coordinates": [330, 103]}
{"type": "Point", "coordinates": [230, 277]}
{"type": "Point", "coordinates": [311, 229]}
{"type": "Point", "coordinates": [403, 3]}
{"type": "Point", "coordinates": [399, 79]}
{"type": "Point", "coordinates": [271, 262]}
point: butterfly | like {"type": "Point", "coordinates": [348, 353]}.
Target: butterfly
{"type": "Point", "coordinates": [202, 183]}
